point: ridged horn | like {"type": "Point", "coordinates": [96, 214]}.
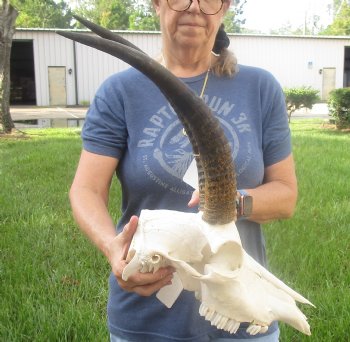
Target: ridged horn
{"type": "Point", "coordinates": [210, 146]}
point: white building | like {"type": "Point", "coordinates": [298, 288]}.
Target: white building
{"type": "Point", "coordinates": [47, 69]}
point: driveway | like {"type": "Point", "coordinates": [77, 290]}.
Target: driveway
{"type": "Point", "coordinates": [74, 116]}
{"type": "Point", "coordinates": [318, 111]}
{"type": "Point", "coordinates": [35, 113]}
{"type": "Point", "coordinates": [44, 117]}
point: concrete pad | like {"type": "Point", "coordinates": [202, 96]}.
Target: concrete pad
{"type": "Point", "coordinates": [36, 113]}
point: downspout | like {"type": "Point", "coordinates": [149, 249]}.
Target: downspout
{"type": "Point", "coordinates": [75, 73]}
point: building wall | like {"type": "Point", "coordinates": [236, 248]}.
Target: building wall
{"type": "Point", "coordinates": [294, 61]}
{"type": "Point", "coordinates": [49, 50]}
{"type": "Point", "coordinates": [94, 66]}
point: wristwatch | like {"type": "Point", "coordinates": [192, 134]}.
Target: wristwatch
{"type": "Point", "coordinates": [244, 204]}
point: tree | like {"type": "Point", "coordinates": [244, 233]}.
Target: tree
{"type": "Point", "coordinates": [143, 17]}
{"type": "Point", "coordinates": [233, 20]}
{"type": "Point", "coordinates": [339, 107]}
{"type": "Point", "coordinates": [341, 23]}
{"type": "Point", "coordinates": [111, 14]}
{"type": "Point", "coordinates": [8, 15]}
{"type": "Point", "coordinates": [139, 14]}
{"type": "Point", "coordinates": [43, 13]}
{"type": "Point", "coordinates": [337, 4]}
{"type": "Point", "coordinates": [297, 98]}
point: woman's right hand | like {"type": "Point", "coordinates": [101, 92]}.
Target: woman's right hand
{"type": "Point", "coordinates": [144, 284]}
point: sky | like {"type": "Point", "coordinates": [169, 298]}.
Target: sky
{"type": "Point", "coordinates": [264, 15]}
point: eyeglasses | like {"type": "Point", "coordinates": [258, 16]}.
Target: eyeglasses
{"type": "Point", "coordinates": [208, 7]}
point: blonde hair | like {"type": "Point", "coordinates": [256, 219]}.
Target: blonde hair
{"type": "Point", "coordinates": [225, 64]}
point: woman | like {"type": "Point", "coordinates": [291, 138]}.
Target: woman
{"type": "Point", "coordinates": [131, 128]}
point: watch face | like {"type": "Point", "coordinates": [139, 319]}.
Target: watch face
{"type": "Point", "coordinates": [247, 205]}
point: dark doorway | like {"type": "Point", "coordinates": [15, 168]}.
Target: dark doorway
{"type": "Point", "coordinates": [346, 66]}
{"type": "Point", "coordinates": [22, 73]}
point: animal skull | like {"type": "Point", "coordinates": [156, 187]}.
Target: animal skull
{"type": "Point", "coordinates": [232, 287]}
{"type": "Point", "coordinates": [209, 260]}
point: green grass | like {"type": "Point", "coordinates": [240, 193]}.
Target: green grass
{"type": "Point", "coordinates": [311, 251]}
{"type": "Point", "coordinates": [53, 283]}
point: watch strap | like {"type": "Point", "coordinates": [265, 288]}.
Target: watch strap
{"type": "Point", "coordinates": [242, 192]}
{"type": "Point", "coordinates": [242, 209]}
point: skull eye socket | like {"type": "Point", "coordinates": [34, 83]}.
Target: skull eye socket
{"type": "Point", "coordinates": [156, 258]}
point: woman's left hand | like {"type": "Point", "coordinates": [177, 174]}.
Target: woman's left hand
{"type": "Point", "coordinates": [194, 199]}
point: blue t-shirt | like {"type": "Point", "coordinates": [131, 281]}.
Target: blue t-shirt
{"type": "Point", "coordinates": [131, 120]}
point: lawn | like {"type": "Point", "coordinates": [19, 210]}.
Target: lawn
{"type": "Point", "coordinates": [53, 283]}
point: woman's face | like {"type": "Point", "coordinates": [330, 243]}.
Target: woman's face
{"type": "Point", "coordinates": [191, 28]}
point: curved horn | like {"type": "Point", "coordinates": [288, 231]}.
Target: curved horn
{"type": "Point", "coordinates": [211, 147]}
{"type": "Point", "coordinates": [104, 33]}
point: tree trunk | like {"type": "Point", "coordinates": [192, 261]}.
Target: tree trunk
{"type": "Point", "coordinates": [8, 16]}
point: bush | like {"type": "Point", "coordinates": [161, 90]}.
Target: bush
{"type": "Point", "coordinates": [339, 107]}
{"type": "Point", "coordinates": [297, 98]}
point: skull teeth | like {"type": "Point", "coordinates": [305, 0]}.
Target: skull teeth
{"type": "Point", "coordinates": [254, 329]}
{"type": "Point", "coordinates": [232, 326]}
{"type": "Point", "coordinates": [226, 323]}
{"type": "Point", "coordinates": [220, 321]}
{"type": "Point", "coordinates": [151, 264]}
